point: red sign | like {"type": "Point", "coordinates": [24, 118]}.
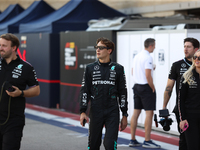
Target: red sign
{"type": "Point", "coordinates": [22, 56]}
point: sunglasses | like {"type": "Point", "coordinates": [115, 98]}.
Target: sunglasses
{"type": "Point", "coordinates": [101, 47]}
{"type": "Point", "coordinates": [195, 57]}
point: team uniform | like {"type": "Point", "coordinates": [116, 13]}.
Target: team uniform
{"type": "Point", "coordinates": [20, 74]}
{"type": "Point", "coordinates": [189, 107]}
{"type": "Point", "coordinates": [104, 85]}
{"type": "Point", "coordinates": [144, 98]}
{"type": "Point", "coordinates": [177, 70]}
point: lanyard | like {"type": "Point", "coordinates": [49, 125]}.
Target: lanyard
{"type": "Point", "coordinates": [186, 62]}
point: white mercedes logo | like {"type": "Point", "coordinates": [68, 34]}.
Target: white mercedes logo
{"type": "Point", "coordinates": [183, 65]}
{"type": "Point", "coordinates": [96, 67]}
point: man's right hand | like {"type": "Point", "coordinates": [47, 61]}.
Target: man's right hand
{"type": "Point", "coordinates": [168, 92]}
{"type": "Point", "coordinates": [82, 117]}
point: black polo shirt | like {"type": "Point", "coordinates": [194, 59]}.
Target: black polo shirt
{"type": "Point", "coordinates": [20, 74]}
{"type": "Point", "coordinates": [177, 70]}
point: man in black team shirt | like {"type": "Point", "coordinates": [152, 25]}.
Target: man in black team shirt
{"type": "Point", "coordinates": [191, 45]}
{"type": "Point", "coordinates": [15, 75]}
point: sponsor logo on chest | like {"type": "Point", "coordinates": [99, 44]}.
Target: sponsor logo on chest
{"type": "Point", "coordinates": [183, 68]}
{"type": "Point", "coordinates": [97, 76]}
{"type": "Point", "coordinates": [16, 73]}
{"type": "Point", "coordinates": [193, 85]}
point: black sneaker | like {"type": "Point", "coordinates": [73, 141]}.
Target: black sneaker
{"type": "Point", "coordinates": [150, 144]}
{"type": "Point", "coordinates": [134, 143]}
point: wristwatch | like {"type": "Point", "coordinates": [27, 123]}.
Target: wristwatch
{"type": "Point", "coordinates": [126, 115]}
{"type": "Point", "coordinates": [22, 94]}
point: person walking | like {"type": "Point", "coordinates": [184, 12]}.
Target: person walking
{"type": "Point", "coordinates": [189, 104]}
{"type": "Point", "coordinates": [15, 75]}
{"type": "Point", "coordinates": [104, 85]}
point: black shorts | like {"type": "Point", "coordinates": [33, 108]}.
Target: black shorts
{"type": "Point", "coordinates": [144, 98]}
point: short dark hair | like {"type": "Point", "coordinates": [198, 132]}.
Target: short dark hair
{"type": "Point", "coordinates": [148, 42]}
{"type": "Point", "coordinates": [11, 37]}
{"type": "Point", "coordinates": [194, 41]}
{"type": "Point", "coordinates": [107, 42]}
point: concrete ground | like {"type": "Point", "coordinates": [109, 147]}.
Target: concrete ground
{"type": "Point", "coordinates": [47, 130]}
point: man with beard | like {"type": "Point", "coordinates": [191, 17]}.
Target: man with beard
{"type": "Point", "coordinates": [191, 45]}
{"type": "Point", "coordinates": [15, 75]}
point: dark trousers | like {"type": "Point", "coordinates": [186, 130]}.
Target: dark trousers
{"type": "Point", "coordinates": [182, 139]}
{"type": "Point", "coordinates": [98, 119]}
{"type": "Point", "coordinates": [11, 134]}
{"type": "Point", "coordinates": [192, 134]}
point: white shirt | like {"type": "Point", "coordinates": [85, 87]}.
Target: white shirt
{"type": "Point", "coordinates": [142, 61]}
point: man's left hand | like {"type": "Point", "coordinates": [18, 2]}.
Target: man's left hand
{"type": "Point", "coordinates": [123, 124]}
{"type": "Point", "coordinates": [15, 93]}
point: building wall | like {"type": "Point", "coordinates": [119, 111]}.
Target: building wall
{"type": "Point", "coordinates": [116, 4]}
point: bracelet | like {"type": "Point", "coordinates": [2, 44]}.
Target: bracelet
{"type": "Point", "coordinates": [126, 115]}
{"type": "Point", "coordinates": [22, 94]}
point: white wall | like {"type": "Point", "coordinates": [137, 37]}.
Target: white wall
{"type": "Point", "coordinates": [169, 48]}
